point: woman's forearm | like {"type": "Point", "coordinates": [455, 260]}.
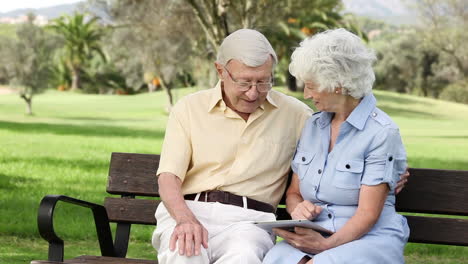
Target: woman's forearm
{"type": "Point", "coordinates": [292, 200]}
{"type": "Point", "coordinates": [371, 202]}
{"type": "Point", "coordinates": [355, 228]}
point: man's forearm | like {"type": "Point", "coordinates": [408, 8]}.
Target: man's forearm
{"type": "Point", "coordinates": [170, 190]}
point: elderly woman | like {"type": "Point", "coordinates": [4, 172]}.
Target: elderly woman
{"type": "Point", "coordinates": [347, 161]}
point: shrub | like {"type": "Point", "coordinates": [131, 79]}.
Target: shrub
{"type": "Point", "coordinates": [456, 92]}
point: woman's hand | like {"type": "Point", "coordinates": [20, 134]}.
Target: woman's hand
{"type": "Point", "coordinates": [304, 239]}
{"type": "Point", "coordinates": [305, 210]}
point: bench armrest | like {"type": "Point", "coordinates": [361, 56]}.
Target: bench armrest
{"type": "Point", "coordinates": [46, 225]}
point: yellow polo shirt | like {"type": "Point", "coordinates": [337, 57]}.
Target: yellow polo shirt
{"type": "Point", "coordinates": [210, 147]}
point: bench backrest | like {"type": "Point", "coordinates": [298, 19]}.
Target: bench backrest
{"type": "Point", "coordinates": [428, 191]}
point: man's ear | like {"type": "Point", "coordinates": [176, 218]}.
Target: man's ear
{"type": "Point", "coordinates": [219, 70]}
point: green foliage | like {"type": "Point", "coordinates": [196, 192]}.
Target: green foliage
{"type": "Point", "coordinates": [8, 30]}
{"type": "Point", "coordinates": [456, 92]}
{"type": "Point", "coordinates": [82, 40]}
{"type": "Point", "coordinates": [27, 60]}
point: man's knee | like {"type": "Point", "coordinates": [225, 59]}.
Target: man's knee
{"type": "Point", "coordinates": [169, 257]}
{"type": "Point", "coordinates": [246, 248]}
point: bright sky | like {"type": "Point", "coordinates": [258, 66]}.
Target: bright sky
{"type": "Point", "coordinates": [8, 5]}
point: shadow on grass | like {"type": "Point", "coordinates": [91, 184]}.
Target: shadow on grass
{"type": "Point", "coordinates": [9, 182]}
{"type": "Point", "coordinates": [62, 163]}
{"type": "Point", "coordinates": [398, 112]}
{"type": "Point", "coordinates": [391, 111]}
{"type": "Point", "coordinates": [81, 130]}
{"type": "Point", "coordinates": [395, 98]}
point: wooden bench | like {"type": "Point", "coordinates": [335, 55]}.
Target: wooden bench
{"type": "Point", "coordinates": [130, 175]}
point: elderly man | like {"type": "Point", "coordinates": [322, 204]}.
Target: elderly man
{"type": "Point", "coordinates": [225, 159]}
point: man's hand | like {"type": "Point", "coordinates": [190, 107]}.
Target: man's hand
{"type": "Point", "coordinates": [403, 180]}
{"type": "Point", "coordinates": [305, 210]}
{"type": "Point", "coordinates": [304, 239]}
{"type": "Point", "coordinates": [189, 235]}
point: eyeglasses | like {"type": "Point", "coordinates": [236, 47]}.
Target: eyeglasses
{"type": "Point", "coordinates": [262, 87]}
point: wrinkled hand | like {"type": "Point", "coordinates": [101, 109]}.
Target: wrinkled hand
{"type": "Point", "coordinates": [304, 239]}
{"type": "Point", "coordinates": [403, 180]}
{"type": "Point", "coordinates": [189, 235]}
{"type": "Point", "coordinates": [305, 210]}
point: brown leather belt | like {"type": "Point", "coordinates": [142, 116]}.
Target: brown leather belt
{"type": "Point", "coordinates": [229, 198]}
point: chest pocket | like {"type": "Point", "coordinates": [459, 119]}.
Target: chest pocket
{"type": "Point", "coordinates": [302, 161]}
{"type": "Point", "coordinates": [348, 174]}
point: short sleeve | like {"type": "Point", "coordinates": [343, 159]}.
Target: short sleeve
{"type": "Point", "coordinates": [176, 150]}
{"type": "Point", "coordinates": [385, 160]}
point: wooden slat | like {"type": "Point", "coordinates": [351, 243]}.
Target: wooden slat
{"type": "Point", "coordinates": [435, 230]}
{"type": "Point", "coordinates": [127, 210]}
{"type": "Point", "coordinates": [435, 192]}
{"type": "Point", "coordinates": [98, 260]}
{"type": "Point", "coordinates": [131, 173]}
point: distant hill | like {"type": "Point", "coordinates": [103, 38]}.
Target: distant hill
{"type": "Point", "coordinates": [391, 11]}
{"type": "Point", "coordinates": [49, 12]}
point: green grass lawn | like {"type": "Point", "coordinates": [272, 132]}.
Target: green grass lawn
{"type": "Point", "coordinates": [65, 149]}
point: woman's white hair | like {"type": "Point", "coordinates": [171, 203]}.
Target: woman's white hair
{"type": "Point", "coordinates": [335, 58]}
{"type": "Point", "coordinates": [247, 46]}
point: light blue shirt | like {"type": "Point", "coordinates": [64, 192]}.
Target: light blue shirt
{"type": "Point", "coordinates": [368, 151]}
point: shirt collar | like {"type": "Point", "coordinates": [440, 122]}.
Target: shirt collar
{"type": "Point", "coordinates": [358, 116]}
{"type": "Point", "coordinates": [217, 98]}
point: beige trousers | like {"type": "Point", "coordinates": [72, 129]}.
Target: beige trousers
{"type": "Point", "coordinates": [231, 239]}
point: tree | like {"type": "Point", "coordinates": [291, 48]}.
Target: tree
{"type": "Point", "coordinates": [28, 61]}
{"type": "Point", "coordinates": [285, 23]}
{"type": "Point", "coordinates": [156, 34]}
{"type": "Point", "coordinates": [444, 24]}
{"type": "Point", "coordinates": [82, 41]}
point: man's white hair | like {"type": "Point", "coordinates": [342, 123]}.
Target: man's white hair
{"type": "Point", "coordinates": [247, 46]}
{"type": "Point", "coordinates": [335, 58]}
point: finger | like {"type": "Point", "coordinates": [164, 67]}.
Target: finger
{"type": "Point", "coordinates": [189, 244]}
{"type": "Point", "coordinates": [173, 241]}
{"type": "Point", "coordinates": [318, 210]}
{"type": "Point", "coordinates": [308, 205]}
{"type": "Point", "coordinates": [205, 238]}
{"type": "Point", "coordinates": [281, 232]}
{"type": "Point", "coordinates": [181, 242]}
{"type": "Point", "coordinates": [300, 230]}
{"type": "Point", "coordinates": [198, 236]}
{"type": "Point", "coordinates": [304, 214]}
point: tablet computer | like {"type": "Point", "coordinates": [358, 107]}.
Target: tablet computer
{"type": "Point", "coordinates": [290, 224]}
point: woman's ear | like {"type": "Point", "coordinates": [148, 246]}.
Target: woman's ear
{"type": "Point", "coordinates": [339, 90]}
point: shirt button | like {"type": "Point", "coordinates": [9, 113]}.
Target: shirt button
{"type": "Point", "coordinates": [348, 166]}
{"type": "Point", "coordinates": [390, 158]}
{"type": "Point", "coordinates": [374, 114]}
{"type": "Point", "coordinates": [319, 171]}
{"type": "Point", "coordinates": [315, 188]}
{"type": "Point", "coordinates": [329, 216]}
{"type": "Point", "coordinates": [303, 158]}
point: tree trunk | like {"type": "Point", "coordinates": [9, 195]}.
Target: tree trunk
{"type": "Point", "coordinates": [28, 101]}
{"type": "Point", "coordinates": [75, 78]}
{"type": "Point", "coordinates": [168, 90]}
{"type": "Point", "coordinates": [291, 82]}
